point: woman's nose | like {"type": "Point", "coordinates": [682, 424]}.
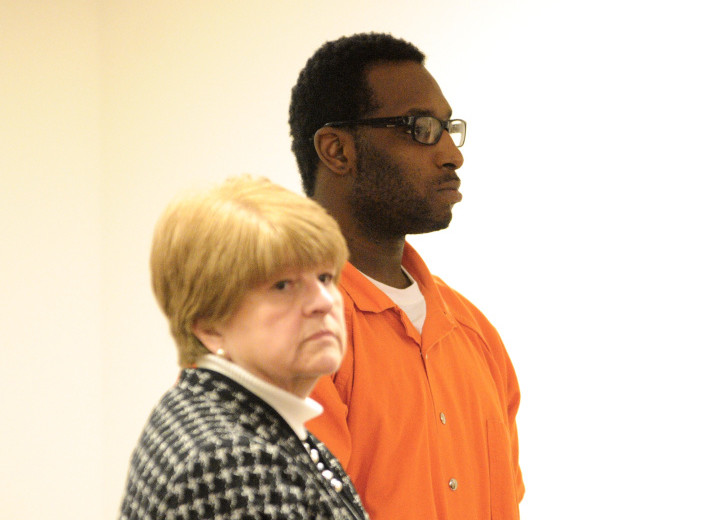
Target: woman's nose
{"type": "Point", "coordinates": [320, 298]}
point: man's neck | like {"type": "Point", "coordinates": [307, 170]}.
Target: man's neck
{"type": "Point", "coordinates": [380, 260]}
{"type": "Point", "coordinates": [378, 257]}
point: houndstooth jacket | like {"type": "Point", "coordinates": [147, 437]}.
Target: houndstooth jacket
{"type": "Point", "coordinates": [213, 450]}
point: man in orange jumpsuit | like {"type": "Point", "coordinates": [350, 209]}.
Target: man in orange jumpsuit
{"type": "Point", "coordinates": [422, 411]}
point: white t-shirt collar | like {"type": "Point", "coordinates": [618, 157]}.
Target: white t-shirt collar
{"type": "Point", "coordinates": [410, 299]}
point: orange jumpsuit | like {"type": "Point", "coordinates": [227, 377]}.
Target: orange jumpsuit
{"type": "Point", "coordinates": [424, 425]}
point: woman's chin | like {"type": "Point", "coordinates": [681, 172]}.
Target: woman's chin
{"type": "Point", "coordinates": [328, 363]}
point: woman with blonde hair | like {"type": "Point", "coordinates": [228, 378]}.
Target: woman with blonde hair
{"type": "Point", "coordinates": [246, 273]}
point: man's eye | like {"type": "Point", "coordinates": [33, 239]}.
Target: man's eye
{"type": "Point", "coordinates": [422, 131]}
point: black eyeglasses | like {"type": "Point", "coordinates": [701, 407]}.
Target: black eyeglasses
{"type": "Point", "coordinates": [424, 129]}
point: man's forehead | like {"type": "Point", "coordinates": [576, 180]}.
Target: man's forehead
{"type": "Point", "coordinates": [406, 88]}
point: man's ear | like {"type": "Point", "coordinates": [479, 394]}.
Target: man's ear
{"type": "Point", "coordinates": [335, 148]}
{"type": "Point", "coordinates": [207, 335]}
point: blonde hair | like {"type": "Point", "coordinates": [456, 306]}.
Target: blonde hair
{"type": "Point", "coordinates": [211, 247]}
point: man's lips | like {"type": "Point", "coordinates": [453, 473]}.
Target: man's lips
{"type": "Point", "coordinates": [450, 189]}
{"type": "Point", "coordinates": [450, 185]}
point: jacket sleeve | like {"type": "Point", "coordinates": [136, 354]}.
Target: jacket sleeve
{"type": "Point", "coordinates": [239, 481]}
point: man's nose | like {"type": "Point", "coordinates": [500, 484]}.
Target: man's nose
{"type": "Point", "coordinates": [449, 154]}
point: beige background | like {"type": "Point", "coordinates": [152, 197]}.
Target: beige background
{"type": "Point", "coordinates": [586, 231]}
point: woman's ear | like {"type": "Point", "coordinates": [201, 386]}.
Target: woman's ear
{"type": "Point", "coordinates": [207, 335]}
{"type": "Point", "coordinates": [335, 148]}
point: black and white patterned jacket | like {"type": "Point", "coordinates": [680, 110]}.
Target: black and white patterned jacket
{"type": "Point", "coordinates": [213, 450]}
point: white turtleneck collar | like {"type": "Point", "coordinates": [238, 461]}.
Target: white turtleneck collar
{"type": "Point", "coordinates": [293, 409]}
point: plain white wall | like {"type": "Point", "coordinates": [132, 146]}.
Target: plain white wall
{"type": "Point", "coordinates": [50, 261]}
{"type": "Point", "coordinates": [585, 234]}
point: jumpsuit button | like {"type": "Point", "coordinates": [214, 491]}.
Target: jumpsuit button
{"type": "Point", "coordinates": [453, 484]}
{"type": "Point", "coordinates": [443, 418]}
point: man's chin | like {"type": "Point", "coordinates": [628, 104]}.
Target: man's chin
{"type": "Point", "coordinates": [433, 225]}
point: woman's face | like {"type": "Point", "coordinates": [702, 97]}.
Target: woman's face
{"type": "Point", "coordinates": [289, 331]}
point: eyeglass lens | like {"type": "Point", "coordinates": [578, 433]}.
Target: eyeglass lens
{"type": "Point", "coordinates": [428, 130]}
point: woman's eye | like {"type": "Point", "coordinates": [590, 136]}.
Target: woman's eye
{"type": "Point", "coordinates": [281, 285]}
{"type": "Point", "coordinates": [326, 278]}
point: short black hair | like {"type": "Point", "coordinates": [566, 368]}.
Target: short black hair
{"type": "Point", "coordinates": [333, 87]}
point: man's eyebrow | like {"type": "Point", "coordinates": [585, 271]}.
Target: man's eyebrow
{"type": "Point", "coordinates": [423, 112]}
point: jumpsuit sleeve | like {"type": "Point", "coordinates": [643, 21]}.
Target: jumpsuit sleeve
{"type": "Point", "coordinates": [331, 426]}
{"type": "Point", "coordinates": [513, 400]}
{"type": "Point", "coordinates": [333, 392]}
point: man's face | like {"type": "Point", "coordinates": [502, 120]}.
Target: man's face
{"type": "Point", "coordinates": [401, 186]}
